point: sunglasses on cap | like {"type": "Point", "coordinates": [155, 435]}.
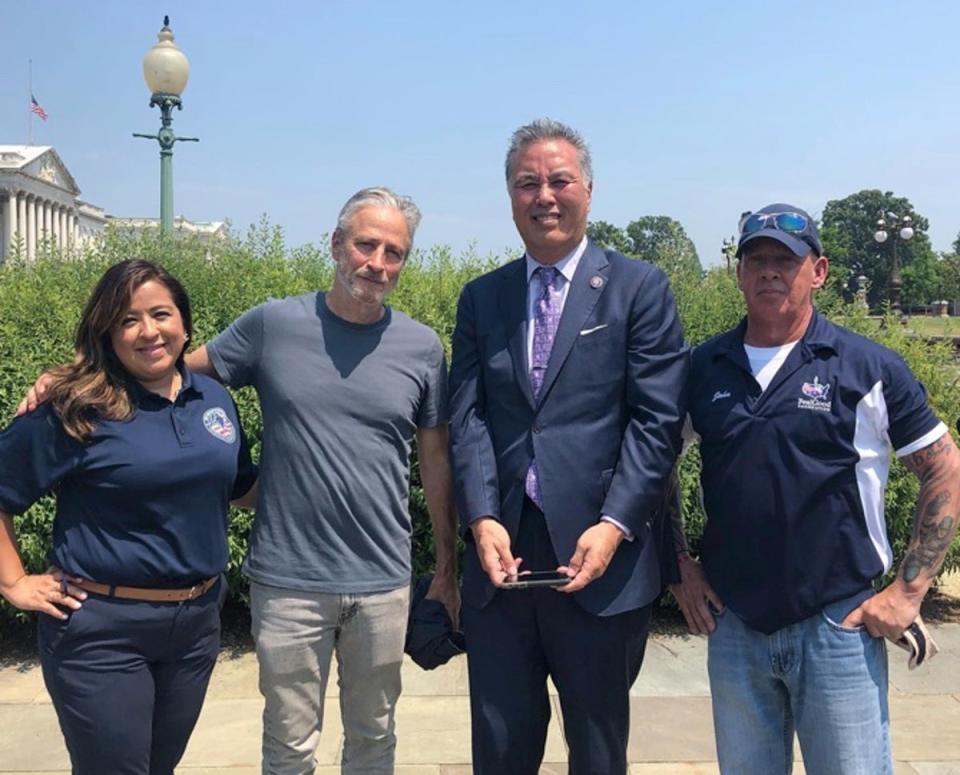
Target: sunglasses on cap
{"type": "Point", "coordinates": [792, 223]}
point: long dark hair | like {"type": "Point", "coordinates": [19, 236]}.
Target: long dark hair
{"type": "Point", "coordinates": [95, 386]}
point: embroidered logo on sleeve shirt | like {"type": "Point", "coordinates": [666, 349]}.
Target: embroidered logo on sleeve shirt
{"type": "Point", "coordinates": [218, 424]}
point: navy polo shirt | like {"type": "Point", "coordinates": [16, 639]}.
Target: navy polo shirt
{"type": "Point", "coordinates": [144, 502]}
{"type": "Point", "coordinates": [793, 476]}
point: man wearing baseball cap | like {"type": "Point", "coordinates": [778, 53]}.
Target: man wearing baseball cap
{"type": "Point", "coordinates": [797, 418]}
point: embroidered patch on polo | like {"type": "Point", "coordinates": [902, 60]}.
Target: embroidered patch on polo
{"type": "Point", "coordinates": [216, 421]}
{"type": "Point", "coordinates": [815, 396]}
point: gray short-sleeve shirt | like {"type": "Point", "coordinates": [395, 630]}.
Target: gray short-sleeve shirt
{"type": "Point", "coordinates": [341, 403]}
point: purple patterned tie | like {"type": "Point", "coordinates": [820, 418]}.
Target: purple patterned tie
{"type": "Point", "coordinates": [546, 318]}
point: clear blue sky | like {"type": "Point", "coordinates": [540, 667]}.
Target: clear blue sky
{"type": "Point", "coordinates": [694, 110]}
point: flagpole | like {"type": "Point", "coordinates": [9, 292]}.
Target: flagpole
{"type": "Point", "coordinates": [30, 103]}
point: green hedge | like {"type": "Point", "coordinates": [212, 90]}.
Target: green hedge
{"type": "Point", "coordinates": [40, 303]}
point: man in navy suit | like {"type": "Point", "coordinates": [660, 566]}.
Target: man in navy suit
{"type": "Point", "coordinates": [566, 381]}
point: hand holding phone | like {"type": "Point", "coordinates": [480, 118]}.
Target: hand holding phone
{"type": "Point", "coordinates": [533, 579]}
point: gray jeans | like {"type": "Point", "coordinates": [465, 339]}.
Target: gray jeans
{"type": "Point", "coordinates": [296, 633]}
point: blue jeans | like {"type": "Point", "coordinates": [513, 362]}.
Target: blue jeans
{"type": "Point", "coordinates": [826, 682]}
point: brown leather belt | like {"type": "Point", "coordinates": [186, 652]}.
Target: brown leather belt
{"type": "Point", "coordinates": [148, 595]}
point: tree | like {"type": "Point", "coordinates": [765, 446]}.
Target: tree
{"type": "Point", "coordinates": [609, 236]}
{"type": "Point", "coordinates": [948, 269]}
{"type": "Point", "coordinates": [921, 280]}
{"type": "Point", "coordinates": [659, 239]}
{"type": "Point", "coordinates": [847, 233]}
{"type": "Point", "coordinates": [949, 276]}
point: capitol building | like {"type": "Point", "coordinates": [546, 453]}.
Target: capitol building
{"type": "Point", "coordinates": [40, 201]}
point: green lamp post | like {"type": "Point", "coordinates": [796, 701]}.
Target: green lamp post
{"type": "Point", "coordinates": [729, 250]}
{"type": "Point", "coordinates": [901, 229]}
{"type": "Point", "coordinates": [166, 69]}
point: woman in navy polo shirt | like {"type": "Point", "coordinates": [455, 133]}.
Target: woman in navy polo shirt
{"type": "Point", "coordinates": [144, 457]}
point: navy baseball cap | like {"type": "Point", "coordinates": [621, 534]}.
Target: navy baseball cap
{"type": "Point", "coordinates": [786, 224]}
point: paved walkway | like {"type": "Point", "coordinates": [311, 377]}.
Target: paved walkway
{"type": "Point", "coordinates": [671, 735]}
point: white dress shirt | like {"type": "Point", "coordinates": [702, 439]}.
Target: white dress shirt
{"type": "Point", "coordinates": [566, 266]}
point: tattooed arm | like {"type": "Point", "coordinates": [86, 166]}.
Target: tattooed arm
{"type": "Point", "coordinates": [694, 594]}
{"type": "Point", "coordinates": [675, 513]}
{"type": "Point", "coordinates": [891, 611]}
{"type": "Point", "coordinates": [938, 467]}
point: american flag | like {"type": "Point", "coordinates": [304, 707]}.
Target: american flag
{"type": "Point", "coordinates": [36, 107]}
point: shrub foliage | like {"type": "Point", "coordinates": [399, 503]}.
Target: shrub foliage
{"type": "Point", "coordinates": [41, 301]}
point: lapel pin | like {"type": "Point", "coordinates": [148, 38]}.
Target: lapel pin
{"type": "Point", "coordinates": [596, 281]}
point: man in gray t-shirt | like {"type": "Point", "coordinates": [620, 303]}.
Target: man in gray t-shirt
{"type": "Point", "coordinates": [345, 385]}
{"type": "Point", "coordinates": [341, 403]}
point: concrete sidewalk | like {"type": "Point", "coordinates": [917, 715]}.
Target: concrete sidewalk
{"type": "Point", "coordinates": [672, 732]}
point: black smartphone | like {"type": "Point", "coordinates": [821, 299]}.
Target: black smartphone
{"type": "Point", "coordinates": [537, 578]}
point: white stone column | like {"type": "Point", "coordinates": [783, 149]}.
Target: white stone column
{"type": "Point", "coordinates": [58, 224]}
{"type": "Point", "coordinates": [72, 229]}
{"type": "Point", "coordinates": [44, 219]}
{"type": "Point", "coordinates": [22, 220]}
{"type": "Point", "coordinates": [48, 220]}
{"type": "Point", "coordinates": [38, 220]}
{"type": "Point", "coordinates": [9, 211]}
{"type": "Point", "coordinates": [31, 228]}
{"type": "Point", "coordinates": [14, 201]}
{"type": "Point", "coordinates": [4, 210]}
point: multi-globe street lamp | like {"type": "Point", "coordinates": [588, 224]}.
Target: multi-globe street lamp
{"type": "Point", "coordinates": [166, 69]}
{"type": "Point", "coordinates": [902, 229]}
{"type": "Point", "coordinates": [728, 250]}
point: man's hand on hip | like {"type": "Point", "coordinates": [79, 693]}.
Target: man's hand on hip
{"type": "Point", "coordinates": [590, 559]}
{"type": "Point", "coordinates": [695, 597]}
{"type": "Point", "coordinates": [493, 549]}
{"type": "Point", "coordinates": [888, 613]}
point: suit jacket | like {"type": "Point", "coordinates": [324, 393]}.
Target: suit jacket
{"type": "Point", "coordinates": [605, 429]}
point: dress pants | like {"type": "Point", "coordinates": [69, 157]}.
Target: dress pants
{"type": "Point", "coordinates": [525, 635]}
{"type": "Point", "coordinates": [127, 679]}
